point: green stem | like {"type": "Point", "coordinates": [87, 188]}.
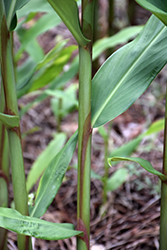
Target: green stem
{"type": "Point", "coordinates": [96, 34]}
{"type": "Point", "coordinates": [59, 116]}
{"type": "Point", "coordinates": [106, 169]}
{"type": "Point", "coordinates": [4, 171]}
{"type": "Point", "coordinates": [163, 218]}
{"type": "Point", "coordinates": [11, 108]}
{"type": "Point", "coordinates": [85, 130]}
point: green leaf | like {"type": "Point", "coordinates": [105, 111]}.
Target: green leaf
{"type": "Point", "coordinates": [35, 51]}
{"type": "Point", "coordinates": [45, 71]}
{"type": "Point", "coordinates": [117, 179]}
{"type": "Point", "coordinates": [68, 100]}
{"type": "Point", "coordinates": [128, 73]}
{"type": "Point", "coordinates": [10, 121]}
{"type": "Point", "coordinates": [43, 24]}
{"type": "Point", "coordinates": [52, 178]}
{"type": "Point", "coordinates": [52, 69]}
{"type": "Point", "coordinates": [157, 7]}
{"type": "Point", "coordinates": [44, 159]}
{"type": "Point", "coordinates": [121, 37]}
{"type": "Point", "coordinates": [103, 133]}
{"type": "Point", "coordinates": [128, 148]}
{"type": "Point", "coordinates": [143, 163]}
{"type": "Point", "coordinates": [11, 6]}
{"type": "Point", "coordinates": [14, 221]}
{"type": "Point", "coordinates": [35, 6]}
{"type": "Point", "coordinates": [59, 81]}
{"type": "Point", "coordinates": [24, 73]}
{"type": "Point", "coordinates": [68, 11]}
{"type": "Point", "coordinates": [155, 127]}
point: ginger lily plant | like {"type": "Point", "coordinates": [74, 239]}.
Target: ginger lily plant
{"type": "Point", "coordinates": [122, 79]}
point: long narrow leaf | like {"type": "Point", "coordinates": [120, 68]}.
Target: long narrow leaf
{"type": "Point", "coordinates": [128, 148]}
{"type": "Point", "coordinates": [14, 221]}
{"type": "Point", "coordinates": [143, 163]}
{"type": "Point", "coordinates": [35, 6]}
{"type": "Point", "coordinates": [46, 22]}
{"type": "Point", "coordinates": [157, 7]}
{"type": "Point", "coordinates": [11, 6]}
{"type": "Point", "coordinates": [68, 11]}
{"type": "Point", "coordinates": [128, 73]}
{"type": "Point", "coordinates": [121, 37]}
{"type": "Point", "coordinates": [52, 178]}
{"type": "Point", "coordinates": [44, 159]}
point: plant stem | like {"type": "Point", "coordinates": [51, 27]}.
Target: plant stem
{"type": "Point", "coordinates": [131, 11]}
{"type": "Point", "coordinates": [111, 29]}
{"type": "Point", "coordinates": [85, 130]}
{"type": "Point", "coordinates": [110, 17]}
{"type": "Point", "coordinates": [11, 108]}
{"type": "Point", "coordinates": [4, 171]}
{"type": "Point", "coordinates": [106, 169]}
{"type": "Point", "coordinates": [163, 218]}
{"type": "Point", "coordinates": [59, 115]}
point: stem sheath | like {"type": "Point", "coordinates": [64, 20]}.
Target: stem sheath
{"type": "Point", "coordinates": [85, 130]}
{"type": "Point", "coordinates": [163, 218]}
{"type": "Point", "coordinates": [11, 108]}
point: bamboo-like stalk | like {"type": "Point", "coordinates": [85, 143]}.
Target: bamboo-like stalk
{"type": "Point", "coordinates": [131, 11]}
{"type": "Point", "coordinates": [4, 171]}
{"type": "Point", "coordinates": [106, 168]}
{"type": "Point", "coordinates": [11, 108]}
{"type": "Point", "coordinates": [163, 217]}
{"type": "Point", "coordinates": [85, 130]}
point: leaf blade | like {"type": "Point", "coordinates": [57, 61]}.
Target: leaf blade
{"type": "Point", "coordinates": [14, 221]}
{"type": "Point", "coordinates": [52, 177]}
{"type": "Point", "coordinates": [43, 160]}
{"type": "Point", "coordinates": [143, 163]}
{"type": "Point", "coordinates": [157, 7]}
{"type": "Point", "coordinates": [10, 121]}
{"type": "Point", "coordinates": [68, 11]}
{"type": "Point", "coordinates": [130, 70]}
{"type": "Point", "coordinates": [117, 179]}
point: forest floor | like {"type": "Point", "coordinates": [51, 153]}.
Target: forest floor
{"type": "Point", "coordinates": [130, 217]}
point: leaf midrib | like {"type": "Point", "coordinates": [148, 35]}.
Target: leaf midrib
{"type": "Point", "coordinates": [123, 78]}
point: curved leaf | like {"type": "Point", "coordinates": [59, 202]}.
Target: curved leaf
{"type": "Point", "coordinates": [44, 72]}
{"type": "Point", "coordinates": [121, 37]}
{"type": "Point", "coordinates": [44, 23]}
{"type": "Point", "coordinates": [68, 11]}
{"type": "Point", "coordinates": [11, 6]}
{"type": "Point", "coordinates": [157, 7]}
{"type": "Point", "coordinates": [143, 163]}
{"type": "Point", "coordinates": [14, 221]}
{"type": "Point", "coordinates": [44, 159]}
{"type": "Point", "coordinates": [129, 147]}
{"type": "Point", "coordinates": [128, 73]}
{"type": "Point", "coordinates": [10, 121]}
{"type": "Point", "coordinates": [51, 67]}
{"type": "Point", "coordinates": [52, 178]}
{"type": "Point", "coordinates": [155, 127]}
